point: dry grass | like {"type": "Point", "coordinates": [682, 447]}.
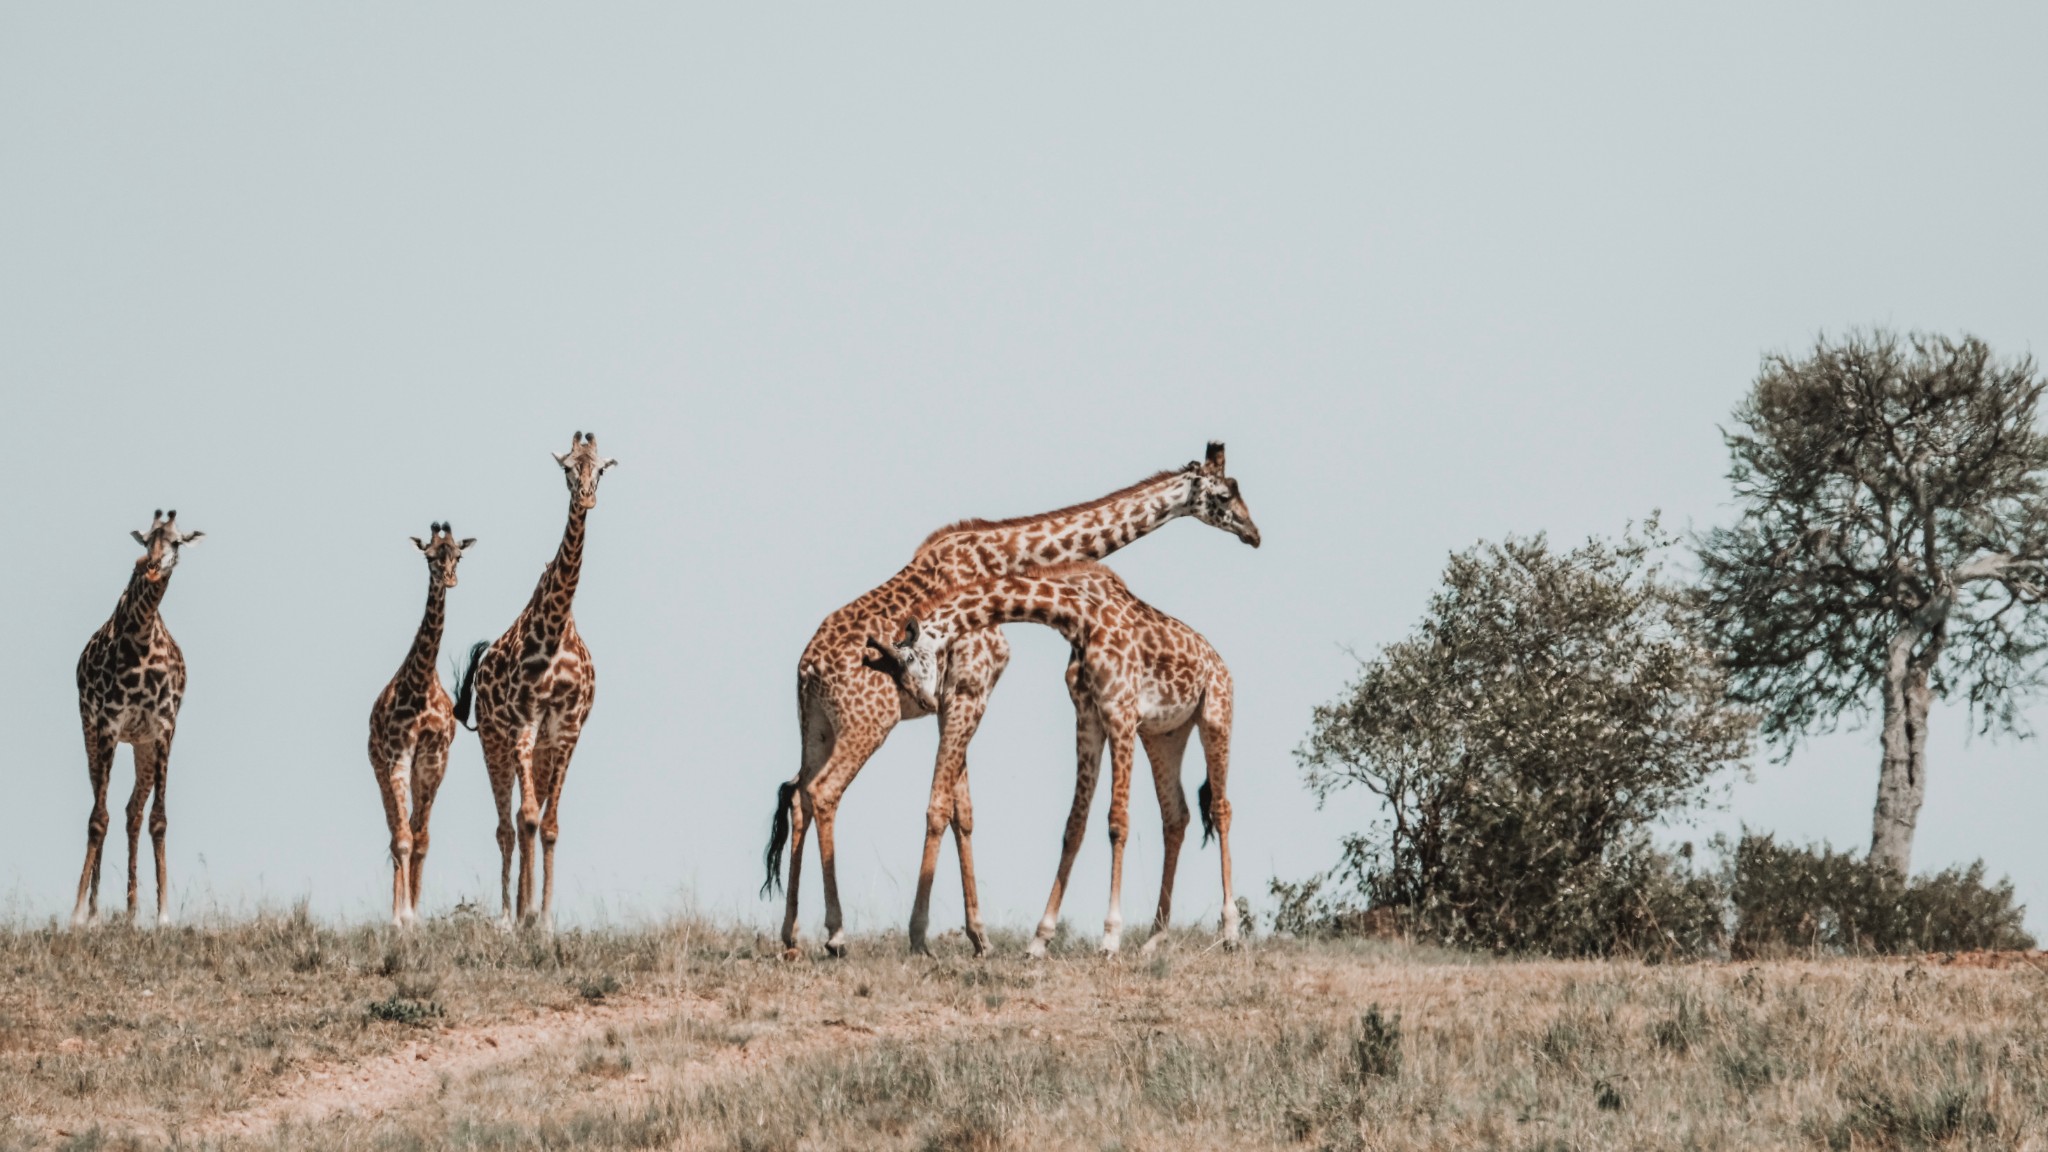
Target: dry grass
{"type": "Point", "coordinates": [1282, 1045]}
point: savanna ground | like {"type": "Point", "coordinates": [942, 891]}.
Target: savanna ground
{"type": "Point", "coordinates": [282, 1033]}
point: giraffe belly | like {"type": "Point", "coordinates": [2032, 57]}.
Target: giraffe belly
{"type": "Point", "coordinates": [1164, 711]}
{"type": "Point", "coordinates": [134, 725]}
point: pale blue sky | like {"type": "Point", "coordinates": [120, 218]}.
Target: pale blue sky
{"type": "Point", "coordinates": [823, 280]}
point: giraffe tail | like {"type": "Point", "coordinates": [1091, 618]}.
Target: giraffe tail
{"type": "Point", "coordinates": [1205, 801]}
{"type": "Point", "coordinates": [465, 686]}
{"type": "Point", "coordinates": [778, 836]}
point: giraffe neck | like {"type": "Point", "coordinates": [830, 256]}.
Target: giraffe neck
{"type": "Point", "coordinates": [426, 643]}
{"type": "Point", "coordinates": [1093, 531]}
{"type": "Point", "coordinates": [136, 613]}
{"type": "Point", "coordinates": [1014, 600]}
{"type": "Point", "coordinates": [556, 592]}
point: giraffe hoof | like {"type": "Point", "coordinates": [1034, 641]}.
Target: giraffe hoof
{"type": "Point", "coordinates": [836, 950]}
{"type": "Point", "coordinates": [792, 954]}
{"type": "Point", "coordinates": [1231, 944]}
{"type": "Point", "coordinates": [1035, 950]}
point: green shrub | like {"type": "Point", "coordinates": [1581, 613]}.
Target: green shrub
{"type": "Point", "coordinates": [1810, 900]}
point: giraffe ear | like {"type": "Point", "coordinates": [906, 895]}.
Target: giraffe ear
{"type": "Point", "coordinates": [191, 537]}
{"type": "Point", "coordinates": [561, 458]}
{"type": "Point", "coordinates": [464, 546]}
{"type": "Point", "coordinates": [140, 539]}
{"type": "Point", "coordinates": [607, 466]}
{"type": "Point", "coordinates": [419, 543]}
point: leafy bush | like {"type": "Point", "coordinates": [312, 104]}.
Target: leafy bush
{"type": "Point", "coordinates": [1780, 900]}
{"type": "Point", "coordinates": [1819, 900]}
{"type": "Point", "coordinates": [404, 1009]}
{"type": "Point", "coordinates": [1548, 710]}
{"type": "Point", "coordinates": [1377, 1047]}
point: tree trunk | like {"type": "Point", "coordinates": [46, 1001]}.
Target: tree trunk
{"type": "Point", "coordinates": [1902, 777]}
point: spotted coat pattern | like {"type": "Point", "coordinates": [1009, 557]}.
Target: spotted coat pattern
{"type": "Point", "coordinates": [1136, 674]}
{"type": "Point", "coordinates": [534, 689]}
{"type": "Point", "coordinates": [131, 681]}
{"type": "Point", "coordinates": [846, 708]}
{"type": "Point", "coordinates": [411, 726]}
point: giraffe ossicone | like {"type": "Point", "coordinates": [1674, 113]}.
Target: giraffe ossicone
{"type": "Point", "coordinates": [131, 682]}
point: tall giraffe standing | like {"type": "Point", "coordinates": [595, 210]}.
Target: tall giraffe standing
{"type": "Point", "coordinates": [411, 726]}
{"type": "Point", "coordinates": [533, 689]}
{"type": "Point", "coordinates": [131, 680]}
{"type": "Point", "coordinates": [846, 708]}
{"type": "Point", "coordinates": [1136, 674]}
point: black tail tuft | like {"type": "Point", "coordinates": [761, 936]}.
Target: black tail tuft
{"type": "Point", "coordinates": [465, 686]}
{"type": "Point", "coordinates": [1204, 799]}
{"type": "Point", "coordinates": [778, 835]}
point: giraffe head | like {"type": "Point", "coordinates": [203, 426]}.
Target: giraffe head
{"type": "Point", "coordinates": [443, 552]}
{"type": "Point", "coordinates": [163, 541]}
{"type": "Point", "coordinates": [915, 661]}
{"type": "Point", "coordinates": [582, 467]}
{"type": "Point", "coordinates": [1213, 497]}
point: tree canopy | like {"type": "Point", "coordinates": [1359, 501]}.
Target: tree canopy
{"type": "Point", "coordinates": [1890, 547]}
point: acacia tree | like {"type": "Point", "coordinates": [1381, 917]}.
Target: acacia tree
{"type": "Point", "coordinates": [1891, 545]}
{"type": "Point", "coordinates": [1548, 709]}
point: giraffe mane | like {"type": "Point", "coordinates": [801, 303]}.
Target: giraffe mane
{"type": "Point", "coordinates": [979, 525]}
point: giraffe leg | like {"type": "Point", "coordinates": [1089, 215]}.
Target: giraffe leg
{"type": "Point", "coordinates": [799, 823]}
{"type": "Point", "coordinates": [1165, 752]}
{"type": "Point", "coordinates": [160, 826]}
{"type": "Point", "coordinates": [380, 767]}
{"type": "Point", "coordinates": [138, 800]}
{"type": "Point", "coordinates": [849, 753]}
{"type": "Point", "coordinates": [99, 758]}
{"type": "Point", "coordinates": [1214, 721]}
{"type": "Point", "coordinates": [397, 803]}
{"type": "Point", "coordinates": [816, 727]}
{"type": "Point", "coordinates": [529, 819]}
{"type": "Point", "coordinates": [1088, 739]}
{"type": "Point", "coordinates": [972, 671]}
{"type": "Point", "coordinates": [558, 752]}
{"type": "Point", "coordinates": [1122, 755]}
{"type": "Point", "coordinates": [963, 838]}
{"type": "Point", "coordinates": [502, 763]}
{"type": "Point", "coordinates": [430, 765]}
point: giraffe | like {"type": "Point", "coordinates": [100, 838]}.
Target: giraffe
{"type": "Point", "coordinates": [533, 689]}
{"type": "Point", "coordinates": [846, 708]}
{"type": "Point", "coordinates": [411, 726]}
{"type": "Point", "coordinates": [1136, 674]}
{"type": "Point", "coordinates": [131, 680]}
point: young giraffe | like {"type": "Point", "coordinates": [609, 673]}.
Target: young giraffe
{"type": "Point", "coordinates": [846, 708]}
{"type": "Point", "coordinates": [1136, 674]}
{"type": "Point", "coordinates": [131, 679]}
{"type": "Point", "coordinates": [533, 689]}
{"type": "Point", "coordinates": [411, 726]}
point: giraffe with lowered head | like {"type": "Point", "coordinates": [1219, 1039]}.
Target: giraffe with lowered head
{"type": "Point", "coordinates": [846, 708]}
{"type": "Point", "coordinates": [533, 688]}
{"type": "Point", "coordinates": [1136, 674]}
{"type": "Point", "coordinates": [131, 680]}
{"type": "Point", "coordinates": [411, 726]}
